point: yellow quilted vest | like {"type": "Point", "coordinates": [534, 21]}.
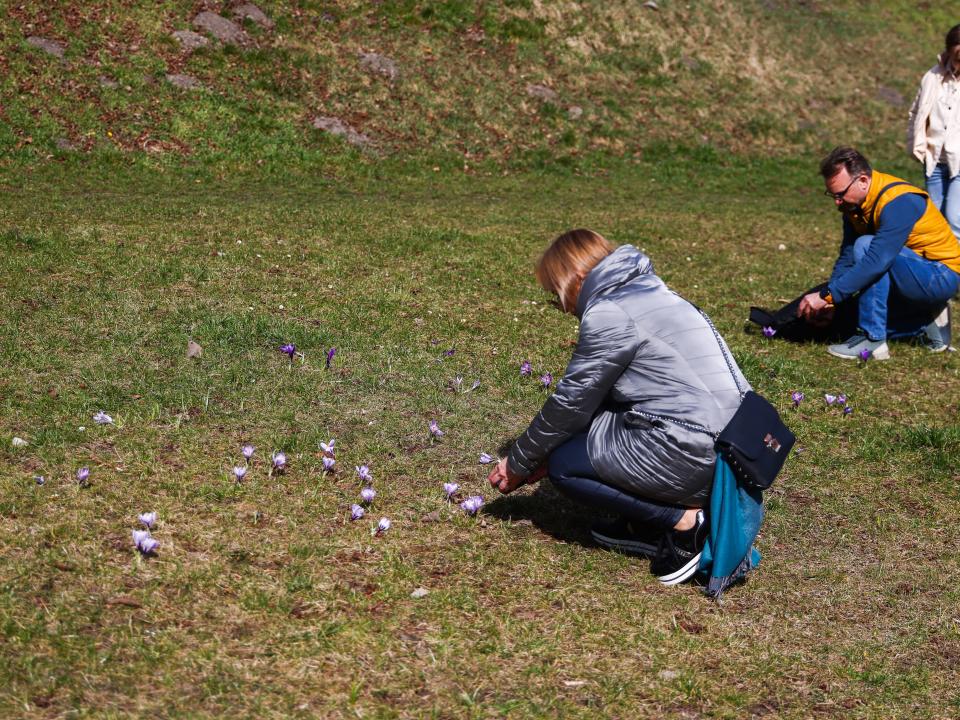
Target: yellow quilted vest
{"type": "Point", "coordinates": [931, 236]}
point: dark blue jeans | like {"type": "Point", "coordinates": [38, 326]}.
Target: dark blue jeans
{"type": "Point", "coordinates": [907, 297]}
{"type": "Point", "coordinates": [572, 474]}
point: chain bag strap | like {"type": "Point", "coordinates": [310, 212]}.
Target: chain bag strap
{"type": "Point", "coordinates": [756, 442]}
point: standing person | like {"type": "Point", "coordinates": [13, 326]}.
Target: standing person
{"type": "Point", "coordinates": [628, 428]}
{"type": "Point", "coordinates": [933, 130]}
{"type": "Point", "coordinates": [899, 260]}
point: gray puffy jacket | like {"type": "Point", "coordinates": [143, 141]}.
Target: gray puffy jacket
{"type": "Point", "coordinates": [641, 348]}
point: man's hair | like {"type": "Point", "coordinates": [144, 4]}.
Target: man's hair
{"type": "Point", "coordinates": [568, 260]}
{"type": "Point", "coordinates": [847, 158]}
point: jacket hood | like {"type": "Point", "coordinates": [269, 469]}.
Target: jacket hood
{"type": "Point", "coordinates": [619, 267]}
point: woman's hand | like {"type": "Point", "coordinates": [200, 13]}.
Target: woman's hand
{"type": "Point", "coordinates": [503, 479]}
{"type": "Point", "coordinates": [506, 481]}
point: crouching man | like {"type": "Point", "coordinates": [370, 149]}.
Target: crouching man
{"type": "Point", "coordinates": [899, 260]}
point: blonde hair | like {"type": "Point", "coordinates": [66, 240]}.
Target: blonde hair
{"type": "Point", "coordinates": [568, 260]}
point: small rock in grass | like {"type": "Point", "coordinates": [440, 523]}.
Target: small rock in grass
{"type": "Point", "coordinates": [379, 65]}
{"type": "Point", "coordinates": [542, 92]}
{"type": "Point", "coordinates": [223, 29]}
{"type": "Point", "coordinates": [431, 517]}
{"type": "Point", "coordinates": [194, 350]}
{"type": "Point", "coordinates": [419, 593]}
{"type": "Point", "coordinates": [249, 11]}
{"type": "Point", "coordinates": [19, 442]}
{"type": "Point", "coordinates": [890, 96]}
{"type": "Point", "coordinates": [336, 126]}
{"type": "Point", "coordinates": [668, 675]}
{"type": "Point", "coordinates": [184, 82]}
{"type": "Point", "coordinates": [50, 47]}
{"type": "Point", "coordinates": [189, 40]}
{"type": "Point", "coordinates": [64, 145]}
{"type": "Point", "coordinates": [781, 246]}
{"type": "Point", "coordinates": [108, 82]}
{"type": "Point", "coordinates": [651, 5]}
{"type": "Point", "coordinates": [574, 112]}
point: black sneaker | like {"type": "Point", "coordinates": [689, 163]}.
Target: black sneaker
{"type": "Point", "coordinates": [622, 535]}
{"type": "Point", "coordinates": [679, 553]}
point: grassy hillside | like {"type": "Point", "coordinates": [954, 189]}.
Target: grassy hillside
{"type": "Point", "coordinates": [503, 83]}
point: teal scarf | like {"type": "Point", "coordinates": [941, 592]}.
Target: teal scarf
{"type": "Point", "coordinates": [736, 514]}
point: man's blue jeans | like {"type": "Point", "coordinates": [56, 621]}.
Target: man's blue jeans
{"type": "Point", "coordinates": [907, 297]}
{"type": "Point", "coordinates": [572, 474]}
{"type": "Point", "coordinates": [945, 195]}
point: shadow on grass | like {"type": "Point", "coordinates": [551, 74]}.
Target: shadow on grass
{"type": "Point", "coordinates": [549, 511]}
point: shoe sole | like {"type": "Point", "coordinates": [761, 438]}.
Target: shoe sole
{"type": "Point", "coordinates": [881, 355]}
{"type": "Point", "coordinates": [687, 571]}
{"type": "Point", "coordinates": [631, 546]}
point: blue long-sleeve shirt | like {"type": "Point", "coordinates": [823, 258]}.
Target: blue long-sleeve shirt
{"type": "Point", "coordinates": [893, 228]}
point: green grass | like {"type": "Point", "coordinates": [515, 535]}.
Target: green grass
{"type": "Point", "coordinates": [265, 600]}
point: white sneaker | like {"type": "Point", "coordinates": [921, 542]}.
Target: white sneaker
{"type": "Point", "coordinates": [936, 336]}
{"type": "Point", "coordinates": [860, 347]}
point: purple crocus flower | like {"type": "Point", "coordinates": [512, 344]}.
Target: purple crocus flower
{"type": "Point", "coordinates": [797, 398]}
{"type": "Point", "coordinates": [526, 368]}
{"type": "Point", "coordinates": [450, 488]}
{"type": "Point", "coordinates": [768, 331]}
{"type": "Point", "coordinates": [148, 546]}
{"type": "Point", "coordinates": [289, 350]}
{"type": "Point", "coordinates": [847, 410]}
{"type": "Point", "coordinates": [279, 461]}
{"type": "Point", "coordinates": [39, 479]}
{"type": "Point", "coordinates": [101, 418]}
{"type": "Point", "coordinates": [328, 447]}
{"type": "Point", "coordinates": [457, 382]}
{"type": "Point", "coordinates": [546, 379]}
{"type": "Point", "coordinates": [147, 519]}
{"type": "Point", "coordinates": [239, 471]}
{"type": "Point", "coordinates": [476, 384]}
{"type": "Point", "coordinates": [367, 495]}
{"type": "Point", "coordinates": [382, 526]}
{"type": "Point", "coordinates": [356, 512]}
{"type": "Point", "coordinates": [330, 353]}
{"type": "Point", "coordinates": [841, 399]}
{"type": "Point", "coordinates": [472, 504]}
{"type": "Point", "coordinates": [435, 429]}
{"type": "Point", "coordinates": [485, 459]}
{"type": "Point", "coordinates": [865, 354]}
{"type": "Point", "coordinates": [363, 472]}
{"type": "Point", "coordinates": [144, 543]}
{"type": "Point", "coordinates": [328, 463]}
{"type": "Point", "coordinates": [830, 399]}
{"type": "Point", "coordinates": [82, 475]}
{"type": "Point", "coordinates": [247, 451]}
{"type": "Point", "coordinates": [449, 353]}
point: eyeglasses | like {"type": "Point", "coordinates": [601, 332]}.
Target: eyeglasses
{"type": "Point", "coordinates": [839, 195]}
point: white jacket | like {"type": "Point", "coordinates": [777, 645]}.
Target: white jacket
{"type": "Point", "coordinates": [929, 93]}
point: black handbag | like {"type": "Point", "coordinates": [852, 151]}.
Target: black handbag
{"type": "Point", "coordinates": [755, 443]}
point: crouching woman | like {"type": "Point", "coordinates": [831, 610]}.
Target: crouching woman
{"type": "Point", "coordinates": [630, 427]}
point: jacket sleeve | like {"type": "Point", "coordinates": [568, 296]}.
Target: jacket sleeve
{"type": "Point", "coordinates": [920, 113]}
{"type": "Point", "coordinates": [893, 228]}
{"type": "Point", "coordinates": [607, 344]}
